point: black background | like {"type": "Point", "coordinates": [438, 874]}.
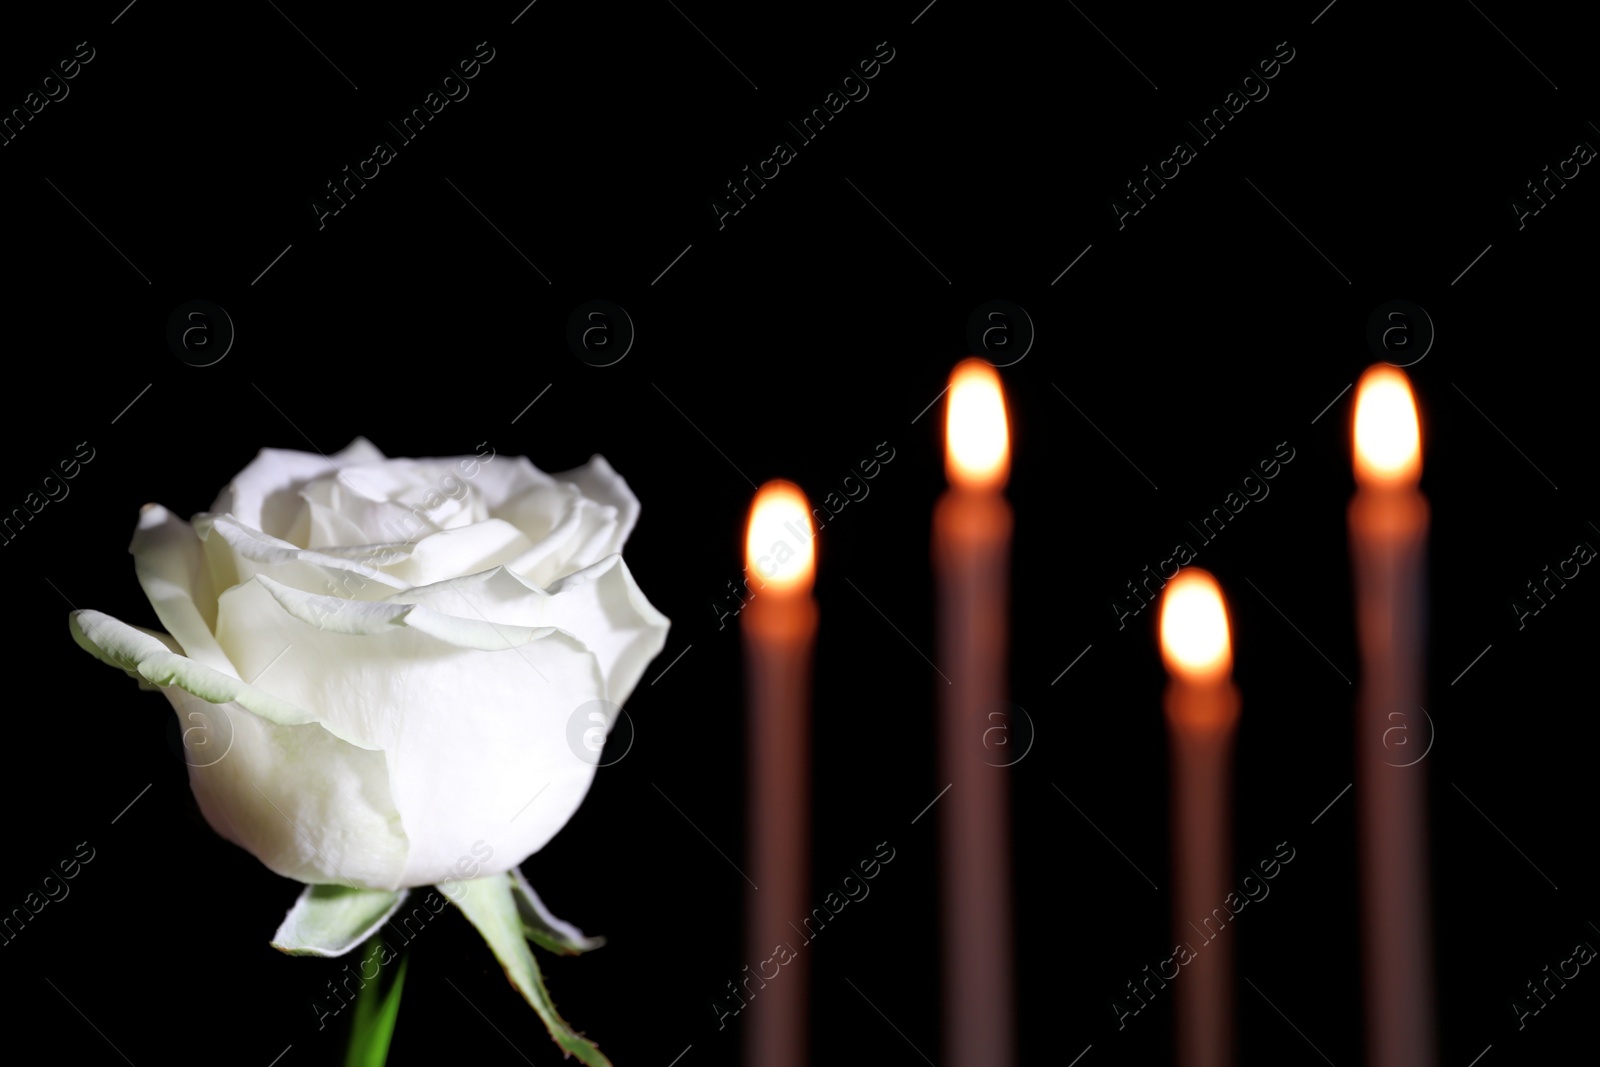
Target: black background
{"type": "Point", "coordinates": [792, 342]}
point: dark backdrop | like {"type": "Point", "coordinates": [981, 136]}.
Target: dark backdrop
{"type": "Point", "coordinates": [1172, 349]}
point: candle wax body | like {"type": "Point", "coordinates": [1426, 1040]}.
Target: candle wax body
{"type": "Point", "coordinates": [1388, 534]}
{"type": "Point", "coordinates": [971, 553]}
{"type": "Point", "coordinates": [779, 631]}
{"type": "Point", "coordinates": [1201, 721]}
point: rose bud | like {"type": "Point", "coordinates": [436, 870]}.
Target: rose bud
{"type": "Point", "coordinates": [387, 656]}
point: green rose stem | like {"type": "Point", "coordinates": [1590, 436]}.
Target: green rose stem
{"type": "Point", "coordinates": [375, 1016]}
{"type": "Point", "coordinates": [331, 920]}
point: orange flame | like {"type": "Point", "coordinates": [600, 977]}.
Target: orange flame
{"type": "Point", "coordinates": [778, 544]}
{"type": "Point", "coordinates": [1388, 449]}
{"type": "Point", "coordinates": [1195, 642]}
{"type": "Point", "coordinates": [977, 439]}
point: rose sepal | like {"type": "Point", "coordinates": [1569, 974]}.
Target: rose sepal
{"type": "Point", "coordinates": [490, 904]}
{"type": "Point", "coordinates": [330, 920]}
{"type": "Point", "coordinates": [543, 928]}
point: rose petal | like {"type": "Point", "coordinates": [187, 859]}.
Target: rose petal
{"type": "Point", "coordinates": [467, 550]}
{"type": "Point", "coordinates": [366, 618]}
{"type": "Point", "coordinates": [265, 495]}
{"type": "Point", "coordinates": [600, 606]}
{"type": "Point", "coordinates": [603, 607]}
{"type": "Point", "coordinates": [554, 518]}
{"type": "Point", "coordinates": [308, 805]}
{"type": "Point", "coordinates": [326, 813]}
{"type": "Point", "coordinates": [396, 500]}
{"type": "Point", "coordinates": [172, 570]}
{"type": "Point", "coordinates": [238, 553]}
{"type": "Point", "coordinates": [601, 483]}
{"type": "Point", "coordinates": [359, 451]}
{"type": "Point", "coordinates": [472, 736]}
{"type": "Point", "coordinates": [327, 529]}
{"type": "Point", "coordinates": [501, 478]}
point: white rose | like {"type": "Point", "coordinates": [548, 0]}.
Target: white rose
{"type": "Point", "coordinates": [397, 647]}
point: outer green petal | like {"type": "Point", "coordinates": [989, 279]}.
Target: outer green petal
{"type": "Point", "coordinates": [488, 903]}
{"type": "Point", "coordinates": [330, 920]}
{"type": "Point", "coordinates": [137, 652]}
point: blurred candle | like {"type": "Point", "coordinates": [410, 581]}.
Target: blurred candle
{"type": "Point", "coordinates": [1388, 536]}
{"type": "Point", "coordinates": [779, 626]}
{"type": "Point", "coordinates": [971, 555]}
{"type": "Point", "coordinates": [1202, 711]}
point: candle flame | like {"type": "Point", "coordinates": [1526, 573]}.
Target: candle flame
{"type": "Point", "coordinates": [1388, 448]}
{"type": "Point", "coordinates": [977, 440]}
{"type": "Point", "coordinates": [778, 545]}
{"type": "Point", "coordinates": [1194, 627]}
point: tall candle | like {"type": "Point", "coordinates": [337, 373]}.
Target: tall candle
{"type": "Point", "coordinates": [1202, 712]}
{"type": "Point", "coordinates": [971, 555]}
{"type": "Point", "coordinates": [779, 626]}
{"type": "Point", "coordinates": [1388, 535]}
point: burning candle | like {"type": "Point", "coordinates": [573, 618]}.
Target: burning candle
{"type": "Point", "coordinates": [1388, 535]}
{"type": "Point", "coordinates": [971, 555]}
{"type": "Point", "coordinates": [1202, 711]}
{"type": "Point", "coordinates": [779, 626]}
